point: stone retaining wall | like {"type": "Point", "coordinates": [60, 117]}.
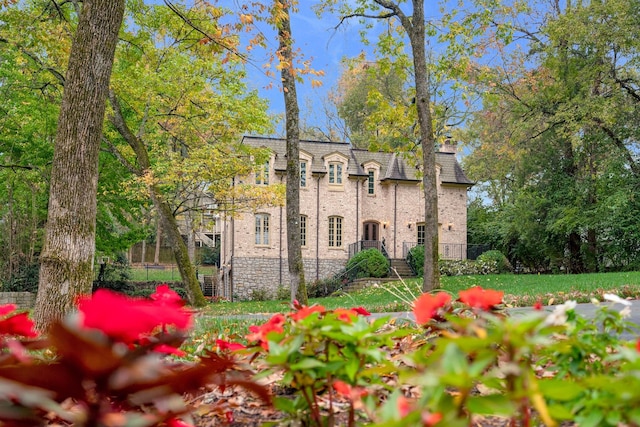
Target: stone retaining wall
{"type": "Point", "coordinates": [265, 274]}
{"type": "Point", "coordinates": [24, 300]}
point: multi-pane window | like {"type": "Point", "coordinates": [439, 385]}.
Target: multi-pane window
{"type": "Point", "coordinates": [303, 174]}
{"type": "Point", "coordinates": [335, 231]}
{"type": "Point", "coordinates": [421, 228]}
{"type": "Point", "coordinates": [262, 174]}
{"type": "Point", "coordinates": [371, 183]}
{"type": "Point", "coordinates": [335, 173]}
{"type": "Point", "coordinates": [262, 229]}
{"type": "Point", "coordinates": [303, 230]}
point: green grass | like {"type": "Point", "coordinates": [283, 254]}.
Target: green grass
{"type": "Point", "coordinates": [520, 290]}
{"type": "Point", "coordinates": [230, 321]}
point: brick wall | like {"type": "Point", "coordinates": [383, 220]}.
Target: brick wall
{"type": "Point", "coordinates": [24, 300]}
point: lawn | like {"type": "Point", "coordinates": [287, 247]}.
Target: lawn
{"type": "Point", "coordinates": [519, 290]}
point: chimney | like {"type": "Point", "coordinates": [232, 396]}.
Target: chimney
{"type": "Point", "coordinates": [449, 146]}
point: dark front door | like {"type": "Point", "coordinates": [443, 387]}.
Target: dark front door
{"type": "Point", "coordinates": [370, 235]}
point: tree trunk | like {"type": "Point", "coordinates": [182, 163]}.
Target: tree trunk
{"type": "Point", "coordinates": [292, 125]}
{"type": "Point", "coordinates": [156, 254]}
{"type": "Point", "coordinates": [415, 28]}
{"type": "Point", "coordinates": [66, 269]}
{"type": "Point", "coordinates": [165, 214]}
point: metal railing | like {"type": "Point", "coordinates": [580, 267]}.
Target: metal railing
{"type": "Point", "coordinates": [362, 245]}
{"type": "Point", "coordinates": [451, 250]}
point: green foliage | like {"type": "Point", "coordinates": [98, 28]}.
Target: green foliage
{"type": "Point", "coordinates": [416, 259]}
{"type": "Point", "coordinates": [326, 287]}
{"type": "Point", "coordinates": [25, 279]}
{"type": "Point", "coordinates": [465, 267]}
{"type": "Point", "coordinates": [115, 275]}
{"type": "Point", "coordinates": [367, 263]}
{"type": "Point", "coordinates": [210, 256]}
{"type": "Point", "coordinates": [496, 257]}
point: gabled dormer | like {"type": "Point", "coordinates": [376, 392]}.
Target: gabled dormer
{"type": "Point", "coordinates": [336, 166]}
{"type": "Point", "coordinates": [372, 170]}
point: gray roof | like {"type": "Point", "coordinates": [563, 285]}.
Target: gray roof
{"type": "Point", "coordinates": [393, 166]}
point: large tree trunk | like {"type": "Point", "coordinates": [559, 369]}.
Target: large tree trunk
{"type": "Point", "coordinates": [165, 214]}
{"type": "Point", "coordinates": [292, 113]}
{"type": "Point", "coordinates": [67, 257]}
{"type": "Point", "coordinates": [415, 28]}
{"type": "Point", "coordinates": [156, 254]}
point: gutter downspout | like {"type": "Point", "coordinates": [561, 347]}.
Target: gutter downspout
{"type": "Point", "coordinates": [395, 218]}
{"type": "Point", "coordinates": [318, 230]}
{"type": "Point", "coordinates": [357, 227]}
{"type": "Point", "coordinates": [280, 249]}
{"type": "Point", "coordinates": [232, 226]}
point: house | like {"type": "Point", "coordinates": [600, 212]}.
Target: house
{"type": "Point", "coordinates": [349, 199]}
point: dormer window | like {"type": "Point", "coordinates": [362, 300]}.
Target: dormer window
{"type": "Point", "coordinates": [371, 188]}
{"type": "Point", "coordinates": [335, 173]}
{"type": "Point", "coordinates": [262, 174]}
{"type": "Point", "coordinates": [303, 173]}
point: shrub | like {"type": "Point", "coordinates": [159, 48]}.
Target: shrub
{"type": "Point", "coordinates": [115, 276]}
{"type": "Point", "coordinates": [416, 259]}
{"type": "Point", "coordinates": [25, 279]}
{"type": "Point", "coordinates": [260, 295]}
{"type": "Point", "coordinates": [368, 263]}
{"type": "Point", "coordinates": [326, 287]}
{"type": "Point", "coordinates": [502, 263]}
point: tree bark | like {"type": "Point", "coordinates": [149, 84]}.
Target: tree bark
{"type": "Point", "coordinates": [292, 125]}
{"type": "Point", "coordinates": [156, 254]}
{"type": "Point", "coordinates": [415, 27]}
{"type": "Point", "coordinates": [67, 257]}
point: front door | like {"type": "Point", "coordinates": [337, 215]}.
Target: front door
{"type": "Point", "coordinates": [370, 234]}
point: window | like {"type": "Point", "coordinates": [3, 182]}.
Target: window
{"type": "Point", "coordinates": [262, 174]}
{"type": "Point", "coordinates": [421, 229]}
{"type": "Point", "coordinates": [303, 174]}
{"type": "Point", "coordinates": [335, 231]}
{"type": "Point", "coordinates": [262, 229]}
{"type": "Point", "coordinates": [371, 182]}
{"type": "Point", "coordinates": [335, 173]}
{"type": "Point", "coordinates": [303, 230]}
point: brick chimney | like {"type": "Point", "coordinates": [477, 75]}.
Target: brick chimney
{"type": "Point", "coordinates": [449, 146]}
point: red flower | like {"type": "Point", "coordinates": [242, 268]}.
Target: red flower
{"type": "Point", "coordinates": [167, 349]}
{"type": "Point", "coordinates": [166, 296]}
{"type": "Point", "coordinates": [538, 305]}
{"type": "Point", "coordinates": [345, 314]}
{"type": "Point", "coordinates": [260, 333]}
{"type": "Point", "coordinates": [361, 311]}
{"type": "Point", "coordinates": [431, 419]}
{"type": "Point", "coordinates": [638, 346]}
{"type": "Point", "coordinates": [226, 345]}
{"type": "Point", "coordinates": [7, 308]}
{"type": "Point", "coordinates": [135, 317]}
{"type": "Point", "coordinates": [16, 324]}
{"type": "Point", "coordinates": [403, 405]}
{"type": "Point", "coordinates": [304, 312]}
{"type": "Point", "coordinates": [426, 306]}
{"type": "Point", "coordinates": [177, 422]}
{"type": "Point", "coordinates": [353, 393]}
{"type": "Point", "coordinates": [484, 299]}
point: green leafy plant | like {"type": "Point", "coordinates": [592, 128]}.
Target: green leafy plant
{"type": "Point", "coordinates": [322, 355]}
{"type": "Point", "coordinates": [494, 256]}
{"type": "Point", "coordinates": [368, 263]}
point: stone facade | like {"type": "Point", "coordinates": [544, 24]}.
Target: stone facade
{"type": "Point", "coordinates": [348, 196]}
{"type": "Point", "coordinates": [24, 300]}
